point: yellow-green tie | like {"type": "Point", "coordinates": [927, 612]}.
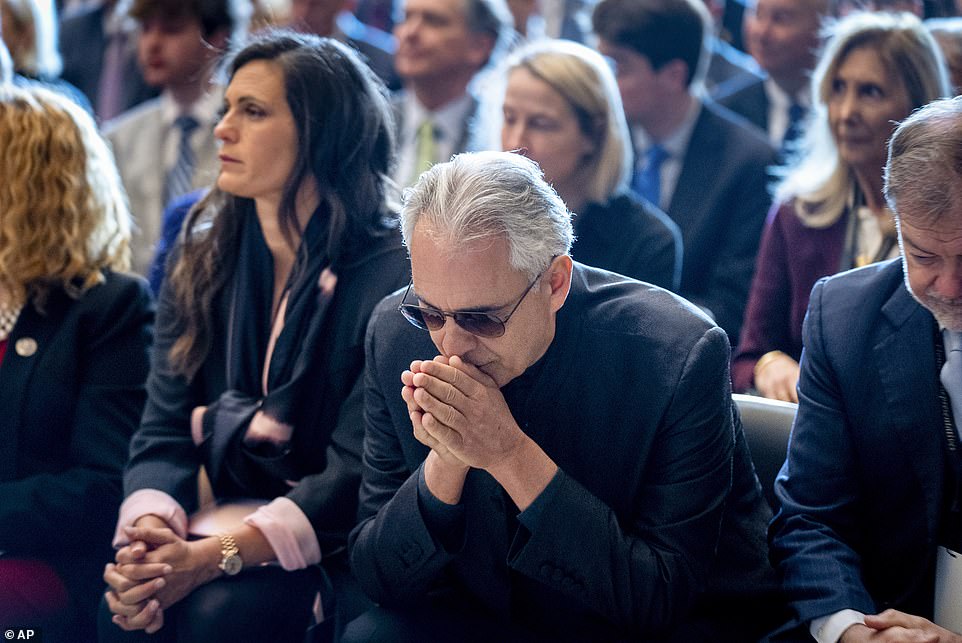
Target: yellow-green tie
{"type": "Point", "coordinates": [426, 149]}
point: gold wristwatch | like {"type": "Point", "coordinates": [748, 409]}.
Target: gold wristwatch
{"type": "Point", "coordinates": [230, 560]}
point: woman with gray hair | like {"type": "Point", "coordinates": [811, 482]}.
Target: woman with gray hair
{"type": "Point", "coordinates": [830, 214]}
{"type": "Point", "coordinates": [562, 109]}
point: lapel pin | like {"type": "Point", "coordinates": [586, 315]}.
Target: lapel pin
{"type": "Point", "coordinates": [26, 346]}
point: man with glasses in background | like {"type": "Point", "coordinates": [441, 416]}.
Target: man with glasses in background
{"type": "Point", "coordinates": [561, 460]}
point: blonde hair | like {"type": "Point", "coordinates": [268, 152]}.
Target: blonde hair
{"type": "Point", "coordinates": [819, 181]}
{"type": "Point", "coordinates": [63, 212]}
{"type": "Point", "coordinates": [581, 76]}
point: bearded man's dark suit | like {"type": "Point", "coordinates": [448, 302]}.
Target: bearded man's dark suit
{"type": "Point", "coordinates": [864, 489]}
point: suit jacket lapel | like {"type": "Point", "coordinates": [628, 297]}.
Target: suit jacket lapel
{"type": "Point", "coordinates": [25, 347]}
{"type": "Point", "coordinates": [906, 366]}
{"type": "Point", "coordinates": [698, 168]}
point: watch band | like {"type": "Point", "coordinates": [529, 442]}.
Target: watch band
{"type": "Point", "coordinates": [230, 560]}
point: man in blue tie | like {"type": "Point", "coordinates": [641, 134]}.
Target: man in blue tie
{"type": "Point", "coordinates": [783, 38]}
{"type": "Point", "coordinates": [700, 163]}
{"type": "Point", "coordinates": [870, 491]}
{"type": "Point", "coordinates": [165, 147]}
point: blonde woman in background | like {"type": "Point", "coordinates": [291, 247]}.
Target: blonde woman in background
{"type": "Point", "coordinates": [562, 109]}
{"type": "Point", "coordinates": [830, 214]}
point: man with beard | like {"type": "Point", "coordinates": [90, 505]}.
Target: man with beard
{"type": "Point", "coordinates": [569, 466]}
{"type": "Point", "coordinates": [870, 491]}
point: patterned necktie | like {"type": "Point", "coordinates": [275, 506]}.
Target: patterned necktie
{"type": "Point", "coordinates": [180, 177]}
{"type": "Point", "coordinates": [648, 179]}
{"type": "Point", "coordinates": [796, 114]}
{"type": "Point", "coordinates": [426, 149]}
{"type": "Point", "coordinates": [951, 374]}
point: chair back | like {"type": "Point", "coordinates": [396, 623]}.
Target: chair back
{"type": "Point", "coordinates": [767, 425]}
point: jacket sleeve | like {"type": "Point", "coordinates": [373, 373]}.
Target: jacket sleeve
{"type": "Point", "coordinates": [393, 554]}
{"type": "Point", "coordinates": [644, 574]}
{"type": "Point", "coordinates": [74, 509]}
{"type": "Point", "coordinates": [818, 490]}
{"type": "Point", "coordinates": [162, 453]}
{"type": "Point", "coordinates": [658, 257]}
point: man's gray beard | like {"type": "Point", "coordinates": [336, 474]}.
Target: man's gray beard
{"type": "Point", "coordinates": [948, 312]}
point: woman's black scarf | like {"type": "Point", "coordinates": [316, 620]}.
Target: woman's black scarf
{"type": "Point", "coordinates": [236, 469]}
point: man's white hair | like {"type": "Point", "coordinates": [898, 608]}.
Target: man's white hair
{"type": "Point", "coordinates": [486, 195]}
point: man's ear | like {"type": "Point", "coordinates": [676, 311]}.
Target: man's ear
{"type": "Point", "coordinates": [559, 279]}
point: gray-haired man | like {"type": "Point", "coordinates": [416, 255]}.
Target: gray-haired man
{"type": "Point", "coordinates": [565, 464]}
{"type": "Point", "coordinates": [870, 492]}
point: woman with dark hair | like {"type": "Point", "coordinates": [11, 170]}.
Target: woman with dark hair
{"type": "Point", "coordinates": [256, 374]}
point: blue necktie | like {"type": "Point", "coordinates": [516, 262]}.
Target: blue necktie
{"type": "Point", "coordinates": [648, 179]}
{"type": "Point", "coordinates": [951, 374]}
{"type": "Point", "coordinates": [796, 114]}
{"type": "Point", "coordinates": [180, 178]}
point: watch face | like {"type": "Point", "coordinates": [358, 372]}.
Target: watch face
{"type": "Point", "coordinates": [232, 565]}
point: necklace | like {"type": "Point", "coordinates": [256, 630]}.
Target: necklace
{"type": "Point", "coordinates": [8, 319]}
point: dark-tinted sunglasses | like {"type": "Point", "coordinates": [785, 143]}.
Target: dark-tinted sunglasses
{"type": "Point", "coordinates": [477, 323]}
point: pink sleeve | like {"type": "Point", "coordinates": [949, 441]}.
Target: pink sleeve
{"type": "Point", "coordinates": [150, 501]}
{"type": "Point", "coordinates": [289, 533]}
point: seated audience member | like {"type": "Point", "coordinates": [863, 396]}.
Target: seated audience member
{"type": "Point", "coordinates": [703, 165]}
{"type": "Point", "coordinates": [870, 490]}
{"type": "Point", "coordinates": [256, 372]}
{"type": "Point", "coordinates": [74, 339]}
{"type": "Point", "coordinates": [832, 216]}
{"type": "Point", "coordinates": [30, 33]}
{"type": "Point", "coordinates": [561, 109]}
{"type": "Point", "coordinates": [443, 45]}
{"type": "Point", "coordinates": [948, 33]}
{"type": "Point", "coordinates": [99, 47]}
{"type": "Point", "coordinates": [504, 498]}
{"type": "Point", "coordinates": [783, 37]}
{"type": "Point", "coordinates": [166, 147]}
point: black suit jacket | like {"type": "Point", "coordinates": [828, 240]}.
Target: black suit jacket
{"type": "Point", "coordinates": [720, 203]}
{"type": "Point", "coordinates": [82, 45]}
{"type": "Point", "coordinates": [327, 448]}
{"type": "Point", "coordinates": [632, 237]}
{"type": "Point", "coordinates": [67, 412]}
{"type": "Point", "coordinates": [632, 402]}
{"type": "Point", "coordinates": [863, 488]}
